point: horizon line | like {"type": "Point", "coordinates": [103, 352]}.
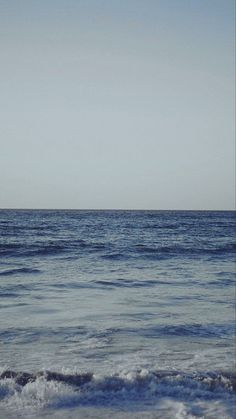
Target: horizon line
{"type": "Point", "coordinates": [107, 209]}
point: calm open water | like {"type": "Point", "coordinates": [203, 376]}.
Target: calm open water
{"type": "Point", "coordinates": [122, 314]}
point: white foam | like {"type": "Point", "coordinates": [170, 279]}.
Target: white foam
{"type": "Point", "coordinates": [126, 394]}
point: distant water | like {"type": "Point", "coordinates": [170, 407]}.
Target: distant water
{"type": "Point", "coordinates": [122, 314]}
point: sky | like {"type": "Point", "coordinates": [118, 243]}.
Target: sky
{"type": "Point", "coordinates": [124, 104]}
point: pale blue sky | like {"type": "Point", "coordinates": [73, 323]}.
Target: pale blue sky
{"type": "Point", "coordinates": [117, 104]}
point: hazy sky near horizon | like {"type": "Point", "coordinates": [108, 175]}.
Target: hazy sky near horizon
{"type": "Point", "coordinates": [117, 104]}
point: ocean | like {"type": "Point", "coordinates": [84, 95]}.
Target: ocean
{"type": "Point", "coordinates": [117, 314]}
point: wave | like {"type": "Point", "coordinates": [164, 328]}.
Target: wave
{"type": "Point", "coordinates": [110, 284]}
{"type": "Point", "coordinates": [141, 384]}
{"type": "Point", "coordinates": [179, 250]}
{"type": "Point", "coordinates": [115, 251]}
{"type": "Point", "coordinates": [116, 256]}
{"type": "Point", "coordinates": [219, 283]}
{"type": "Point", "coordinates": [27, 250]}
{"type": "Point", "coordinates": [35, 334]}
{"type": "Point", "coordinates": [70, 334]}
{"type": "Point", "coordinates": [50, 248]}
{"type": "Point", "coordinates": [18, 271]}
{"type": "Point", "coordinates": [128, 283]}
{"type": "Point", "coordinates": [23, 378]}
{"type": "Point", "coordinates": [126, 394]}
{"type": "Point", "coordinates": [197, 330]}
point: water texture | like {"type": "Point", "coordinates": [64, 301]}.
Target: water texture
{"type": "Point", "coordinates": [124, 314]}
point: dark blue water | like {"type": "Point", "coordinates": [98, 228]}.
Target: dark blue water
{"type": "Point", "coordinates": [117, 313]}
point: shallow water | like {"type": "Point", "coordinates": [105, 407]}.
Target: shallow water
{"type": "Point", "coordinates": [143, 301]}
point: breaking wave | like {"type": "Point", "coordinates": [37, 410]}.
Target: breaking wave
{"type": "Point", "coordinates": [144, 385]}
